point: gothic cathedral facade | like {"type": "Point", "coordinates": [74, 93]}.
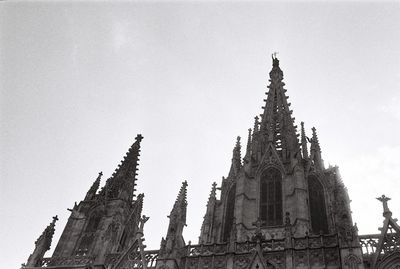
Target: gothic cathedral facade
{"type": "Point", "coordinates": [279, 207]}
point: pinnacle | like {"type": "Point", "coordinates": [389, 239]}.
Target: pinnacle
{"type": "Point", "coordinates": [277, 124]}
{"type": "Point", "coordinates": [248, 147]}
{"type": "Point", "coordinates": [304, 141]}
{"type": "Point", "coordinates": [213, 191]}
{"type": "Point", "coordinates": [315, 139]}
{"type": "Point", "coordinates": [181, 202]}
{"type": "Point", "coordinates": [182, 194]}
{"type": "Point", "coordinates": [93, 189]}
{"type": "Point", "coordinates": [256, 124]}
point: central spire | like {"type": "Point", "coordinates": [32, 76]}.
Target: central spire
{"type": "Point", "coordinates": [277, 125]}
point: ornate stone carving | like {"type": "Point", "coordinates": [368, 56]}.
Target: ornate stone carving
{"type": "Point", "coordinates": [352, 261]}
{"type": "Point", "coordinates": [241, 261]}
{"type": "Point", "coordinates": [300, 258]}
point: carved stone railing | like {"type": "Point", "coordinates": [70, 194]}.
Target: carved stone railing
{"type": "Point", "coordinates": [369, 243]}
{"type": "Point", "coordinates": [206, 249]}
{"type": "Point", "coordinates": [312, 241]}
{"type": "Point", "coordinates": [151, 258]}
{"type": "Point", "coordinates": [75, 260]}
{"type": "Point", "coordinates": [307, 242]}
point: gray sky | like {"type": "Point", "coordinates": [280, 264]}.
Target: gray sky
{"type": "Point", "coordinates": [79, 80]}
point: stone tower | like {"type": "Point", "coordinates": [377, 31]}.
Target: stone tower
{"type": "Point", "coordinates": [281, 189]}
{"type": "Point", "coordinates": [105, 221]}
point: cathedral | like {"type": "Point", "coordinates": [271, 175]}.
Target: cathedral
{"type": "Point", "coordinates": [279, 207]}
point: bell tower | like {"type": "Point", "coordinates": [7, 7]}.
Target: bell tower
{"type": "Point", "coordinates": [281, 183]}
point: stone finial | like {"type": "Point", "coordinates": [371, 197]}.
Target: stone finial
{"type": "Point", "coordinates": [384, 200]}
{"type": "Point", "coordinates": [275, 61]}
{"type": "Point", "coordinates": [213, 192]}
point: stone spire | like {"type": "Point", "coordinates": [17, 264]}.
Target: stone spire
{"type": "Point", "coordinates": [236, 159]}
{"type": "Point", "coordinates": [93, 189]}
{"type": "Point", "coordinates": [315, 150]}
{"type": "Point", "coordinates": [304, 142]}
{"type": "Point", "coordinates": [179, 209]}
{"type": "Point", "coordinates": [206, 235]}
{"type": "Point", "coordinates": [177, 220]}
{"type": "Point", "coordinates": [42, 244]}
{"type": "Point", "coordinates": [123, 181]}
{"type": "Point", "coordinates": [277, 125]}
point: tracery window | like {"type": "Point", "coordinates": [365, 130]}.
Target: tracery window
{"type": "Point", "coordinates": [229, 213]}
{"type": "Point", "coordinates": [88, 235]}
{"type": "Point", "coordinates": [319, 221]}
{"type": "Point", "coordinates": [271, 197]}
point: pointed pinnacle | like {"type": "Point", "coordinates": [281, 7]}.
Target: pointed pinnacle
{"type": "Point", "coordinates": [304, 141]}
{"type": "Point", "coordinates": [131, 157]}
{"type": "Point", "coordinates": [238, 141]}
{"type": "Point", "coordinates": [256, 124]}
{"type": "Point", "coordinates": [315, 138]}
{"type": "Point", "coordinates": [248, 142]}
{"type": "Point", "coordinates": [182, 193]}
{"type": "Point", "coordinates": [213, 190]}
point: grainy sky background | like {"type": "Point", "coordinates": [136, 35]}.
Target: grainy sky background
{"type": "Point", "coordinates": [79, 80]}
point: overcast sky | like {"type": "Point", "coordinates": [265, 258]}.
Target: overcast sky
{"type": "Point", "coordinates": [79, 80]}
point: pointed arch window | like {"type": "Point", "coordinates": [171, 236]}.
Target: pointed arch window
{"type": "Point", "coordinates": [229, 213]}
{"type": "Point", "coordinates": [271, 197]}
{"type": "Point", "coordinates": [319, 221]}
{"type": "Point", "coordinates": [88, 235]}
